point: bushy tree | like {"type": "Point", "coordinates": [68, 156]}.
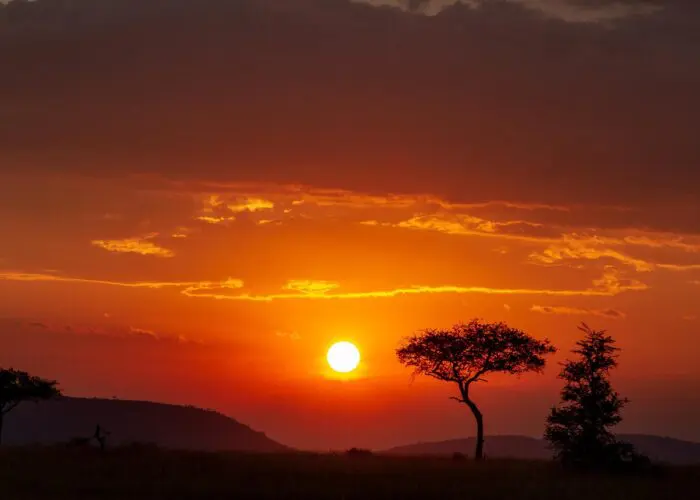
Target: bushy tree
{"type": "Point", "coordinates": [467, 353]}
{"type": "Point", "coordinates": [17, 386]}
{"type": "Point", "coordinates": [579, 428]}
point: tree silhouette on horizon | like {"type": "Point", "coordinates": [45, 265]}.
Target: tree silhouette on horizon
{"type": "Point", "coordinates": [579, 428]}
{"type": "Point", "coordinates": [467, 352]}
{"type": "Point", "coordinates": [18, 386]}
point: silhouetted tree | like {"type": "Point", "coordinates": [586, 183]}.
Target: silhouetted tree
{"type": "Point", "coordinates": [466, 353]}
{"type": "Point", "coordinates": [17, 386]}
{"type": "Point", "coordinates": [579, 428]}
{"type": "Point", "coordinates": [101, 437]}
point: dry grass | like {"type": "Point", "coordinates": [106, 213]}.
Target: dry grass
{"type": "Point", "coordinates": [57, 474]}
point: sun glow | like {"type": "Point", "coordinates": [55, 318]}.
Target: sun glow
{"type": "Point", "coordinates": [343, 357]}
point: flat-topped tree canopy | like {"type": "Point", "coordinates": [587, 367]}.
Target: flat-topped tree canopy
{"type": "Point", "coordinates": [468, 352]}
{"type": "Point", "coordinates": [18, 386]}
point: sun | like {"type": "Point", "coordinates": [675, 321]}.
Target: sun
{"type": "Point", "coordinates": [343, 357]}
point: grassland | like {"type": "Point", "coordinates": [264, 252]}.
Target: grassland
{"type": "Point", "coordinates": [131, 474]}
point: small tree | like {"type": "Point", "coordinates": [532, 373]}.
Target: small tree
{"type": "Point", "coordinates": [467, 353]}
{"type": "Point", "coordinates": [579, 428]}
{"type": "Point", "coordinates": [17, 386]}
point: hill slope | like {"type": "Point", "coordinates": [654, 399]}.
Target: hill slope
{"type": "Point", "coordinates": [661, 449]}
{"type": "Point", "coordinates": [132, 421]}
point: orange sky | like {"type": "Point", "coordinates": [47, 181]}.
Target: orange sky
{"type": "Point", "coordinates": [207, 248]}
{"type": "Point", "coordinates": [228, 297]}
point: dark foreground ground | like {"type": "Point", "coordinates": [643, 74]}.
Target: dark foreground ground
{"type": "Point", "coordinates": [152, 474]}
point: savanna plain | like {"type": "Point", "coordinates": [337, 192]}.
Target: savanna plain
{"type": "Point", "coordinates": [150, 473]}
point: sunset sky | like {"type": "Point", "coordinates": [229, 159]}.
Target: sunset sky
{"type": "Point", "coordinates": [197, 198]}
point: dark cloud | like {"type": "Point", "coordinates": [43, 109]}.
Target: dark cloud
{"type": "Point", "coordinates": [576, 311]}
{"type": "Point", "coordinates": [569, 10]}
{"type": "Point", "coordinates": [490, 103]}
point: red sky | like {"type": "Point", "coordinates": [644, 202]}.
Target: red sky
{"type": "Point", "coordinates": [195, 204]}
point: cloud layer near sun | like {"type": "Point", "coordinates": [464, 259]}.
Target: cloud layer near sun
{"type": "Point", "coordinates": [604, 257]}
{"type": "Point", "coordinates": [608, 285]}
{"type": "Point", "coordinates": [574, 311]}
{"type": "Point", "coordinates": [140, 246]}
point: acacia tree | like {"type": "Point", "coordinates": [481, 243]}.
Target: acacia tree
{"type": "Point", "coordinates": [17, 387]}
{"type": "Point", "coordinates": [579, 428]}
{"type": "Point", "coordinates": [467, 353]}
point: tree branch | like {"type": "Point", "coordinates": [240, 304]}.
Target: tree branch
{"type": "Point", "coordinates": [477, 376]}
{"type": "Point", "coordinates": [11, 405]}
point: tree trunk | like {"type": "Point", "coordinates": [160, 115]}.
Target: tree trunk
{"type": "Point", "coordinates": [479, 453]}
{"type": "Point", "coordinates": [2, 417]}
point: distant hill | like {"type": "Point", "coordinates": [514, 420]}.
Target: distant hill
{"type": "Point", "coordinates": [168, 426]}
{"type": "Point", "coordinates": [661, 449]}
